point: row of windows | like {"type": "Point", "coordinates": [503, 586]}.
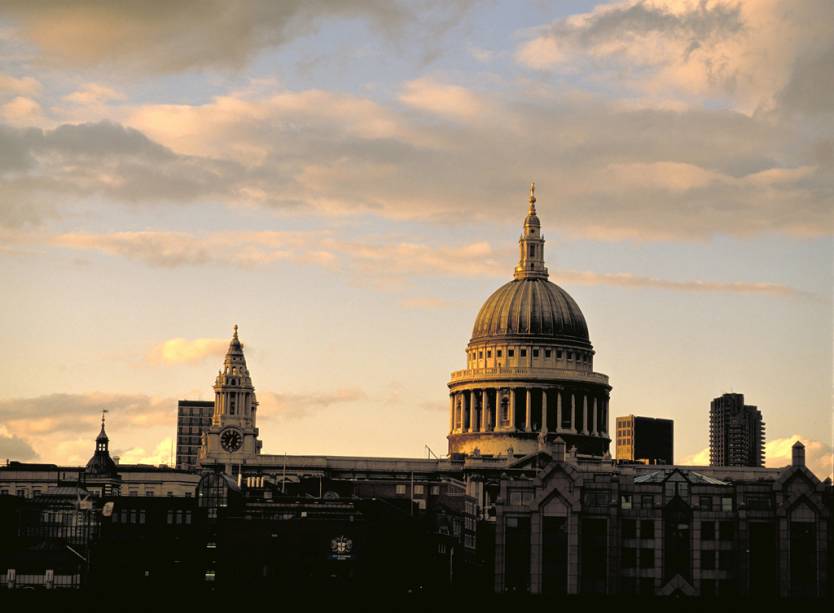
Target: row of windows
{"type": "Point", "coordinates": [139, 516]}
{"type": "Point", "coordinates": [726, 530]}
{"type": "Point", "coordinates": [169, 493]}
{"type": "Point", "coordinates": [132, 516]}
{"type": "Point", "coordinates": [419, 489]}
{"type": "Point", "coordinates": [706, 503]}
{"type": "Point", "coordinates": [571, 355]}
{"type": "Point", "coordinates": [193, 425]}
{"type": "Point", "coordinates": [198, 411]}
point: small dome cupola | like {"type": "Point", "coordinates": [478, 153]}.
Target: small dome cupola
{"type": "Point", "coordinates": [101, 463]}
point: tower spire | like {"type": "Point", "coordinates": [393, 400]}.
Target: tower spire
{"type": "Point", "coordinates": [532, 209]}
{"type": "Point", "coordinates": [531, 244]}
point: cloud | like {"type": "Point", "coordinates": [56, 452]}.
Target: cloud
{"type": "Point", "coordinates": [21, 111]}
{"type": "Point", "coordinates": [629, 280]}
{"type": "Point", "coordinates": [441, 98]}
{"type": "Point", "coordinates": [700, 458]}
{"type": "Point", "coordinates": [819, 456]}
{"type": "Point", "coordinates": [172, 249]}
{"type": "Point", "coordinates": [757, 53]}
{"type": "Point", "coordinates": [192, 34]}
{"type": "Point", "coordinates": [61, 428]}
{"type": "Point", "coordinates": [161, 454]}
{"type": "Point", "coordinates": [72, 413]}
{"type": "Point", "coordinates": [94, 93]}
{"type": "Point", "coordinates": [15, 448]}
{"type": "Point", "coordinates": [84, 162]}
{"type": "Point", "coordinates": [24, 86]}
{"type": "Point", "coordinates": [606, 171]}
{"type": "Point", "coordinates": [378, 262]}
{"type": "Point", "coordinates": [185, 351]}
{"type": "Point", "coordinates": [292, 406]}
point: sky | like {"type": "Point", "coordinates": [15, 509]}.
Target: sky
{"type": "Point", "coordinates": [347, 182]}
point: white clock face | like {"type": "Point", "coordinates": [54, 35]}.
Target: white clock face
{"type": "Point", "coordinates": [231, 439]}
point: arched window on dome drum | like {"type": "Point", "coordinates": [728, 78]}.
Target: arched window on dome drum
{"type": "Point", "coordinates": [505, 409]}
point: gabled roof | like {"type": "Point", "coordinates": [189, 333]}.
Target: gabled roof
{"type": "Point", "coordinates": [661, 476]}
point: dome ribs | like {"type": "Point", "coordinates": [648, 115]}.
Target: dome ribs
{"type": "Point", "coordinates": [531, 309]}
{"type": "Point", "coordinates": [534, 313]}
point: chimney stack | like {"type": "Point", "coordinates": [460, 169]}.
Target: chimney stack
{"type": "Point", "coordinates": [798, 454]}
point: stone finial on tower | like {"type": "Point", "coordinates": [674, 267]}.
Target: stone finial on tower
{"type": "Point", "coordinates": [798, 454]}
{"type": "Point", "coordinates": [102, 440]}
{"type": "Point", "coordinates": [234, 336]}
{"type": "Point", "coordinates": [532, 198]}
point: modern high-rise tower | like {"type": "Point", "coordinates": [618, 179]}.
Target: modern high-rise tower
{"type": "Point", "coordinates": [193, 419]}
{"type": "Point", "coordinates": [736, 433]}
{"type": "Point", "coordinates": [649, 440]}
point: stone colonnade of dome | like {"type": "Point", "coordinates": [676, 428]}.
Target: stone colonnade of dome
{"type": "Point", "coordinates": [503, 411]}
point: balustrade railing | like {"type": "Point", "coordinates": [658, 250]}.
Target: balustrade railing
{"type": "Point", "coordinates": [519, 371]}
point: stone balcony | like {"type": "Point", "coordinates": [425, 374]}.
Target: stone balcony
{"type": "Point", "coordinates": [526, 373]}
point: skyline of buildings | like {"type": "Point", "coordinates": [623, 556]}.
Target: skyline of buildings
{"type": "Point", "coordinates": [528, 500]}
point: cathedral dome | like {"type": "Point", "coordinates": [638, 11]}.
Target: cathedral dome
{"type": "Point", "coordinates": [529, 378]}
{"type": "Point", "coordinates": [531, 308]}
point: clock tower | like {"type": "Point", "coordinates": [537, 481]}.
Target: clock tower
{"type": "Point", "coordinates": [232, 438]}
